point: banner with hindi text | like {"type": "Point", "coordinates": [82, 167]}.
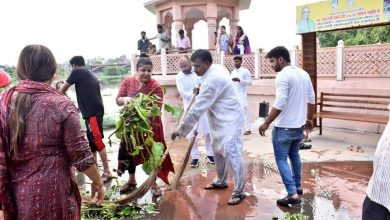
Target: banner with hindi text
{"type": "Point", "coordinates": [340, 14]}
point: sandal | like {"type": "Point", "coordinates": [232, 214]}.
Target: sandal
{"type": "Point", "coordinates": [156, 191]}
{"type": "Point", "coordinates": [236, 199]}
{"type": "Point", "coordinates": [127, 188]}
{"type": "Point", "coordinates": [304, 146]}
{"type": "Point", "coordinates": [215, 186]}
{"type": "Point", "coordinates": [106, 178]}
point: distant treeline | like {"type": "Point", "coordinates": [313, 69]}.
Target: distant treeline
{"type": "Point", "coordinates": [363, 36]}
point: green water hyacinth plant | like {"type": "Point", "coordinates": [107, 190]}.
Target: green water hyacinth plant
{"type": "Point", "coordinates": [134, 127]}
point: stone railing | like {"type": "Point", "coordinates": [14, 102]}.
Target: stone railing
{"type": "Point", "coordinates": [337, 63]}
{"type": "Point", "coordinates": [326, 63]}
{"type": "Point", "coordinates": [367, 61]}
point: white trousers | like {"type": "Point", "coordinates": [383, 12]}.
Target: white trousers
{"type": "Point", "coordinates": [195, 150]}
{"type": "Point", "coordinates": [233, 157]}
{"type": "Point", "coordinates": [247, 119]}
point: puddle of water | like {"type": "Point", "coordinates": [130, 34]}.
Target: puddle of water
{"type": "Point", "coordinates": [332, 190]}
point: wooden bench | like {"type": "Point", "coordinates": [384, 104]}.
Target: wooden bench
{"type": "Point", "coordinates": [353, 107]}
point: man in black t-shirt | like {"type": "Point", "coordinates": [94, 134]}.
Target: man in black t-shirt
{"type": "Point", "coordinates": [91, 106]}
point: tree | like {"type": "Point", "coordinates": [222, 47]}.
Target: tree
{"type": "Point", "coordinates": [364, 36]}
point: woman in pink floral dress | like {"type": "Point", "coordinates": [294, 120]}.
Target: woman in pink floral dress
{"type": "Point", "coordinates": [40, 140]}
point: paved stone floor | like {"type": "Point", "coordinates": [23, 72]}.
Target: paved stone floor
{"type": "Point", "coordinates": [334, 180]}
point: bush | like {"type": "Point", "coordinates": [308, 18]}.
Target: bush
{"type": "Point", "coordinates": [115, 70]}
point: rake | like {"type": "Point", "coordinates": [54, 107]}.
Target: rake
{"type": "Point", "coordinates": [144, 188]}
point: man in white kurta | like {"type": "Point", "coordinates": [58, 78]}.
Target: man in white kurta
{"type": "Point", "coordinates": [218, 98]}
{"type": "Point", "coordinates": [241, 78]}
{"type": "Point", "coordinates": [186, 81]}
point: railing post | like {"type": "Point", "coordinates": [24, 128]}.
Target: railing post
{"type": "Point", "coordinates": [132, 63]}
{"type": "Point", "coordinates": [259, 61]}
{"type": "Point", "coordinates": [257, 64]}
{"type": "Point", "coordinates": [222, 58]}
{"type": "Point", "coordinates": [340, 60]}
{"type": "Point", "coordinates": [242, 49]}
{"type": "Point", "coordinates": [163, 62]}
{"type": "Point", "coordinates": [294, 57]}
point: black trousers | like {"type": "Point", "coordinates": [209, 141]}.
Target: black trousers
{"type": "Point", "coordinates": [374, 211]}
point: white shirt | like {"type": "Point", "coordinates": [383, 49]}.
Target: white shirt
{"type": "Point", "coordinates": [218, 98]}
{"type": "Point", "coordinates": [379, 185]}
{"type": "Point", "coordinates": [240, 87]}
{"type": "Point", "coordinates": [163, 44]}
{"type": "Point", "coordinates": [293, 91]}
{"type": "Point", "coordinates": [185, 84]}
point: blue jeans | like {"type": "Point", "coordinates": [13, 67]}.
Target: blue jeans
{"type": "Point", "coordinates": [286, 142]}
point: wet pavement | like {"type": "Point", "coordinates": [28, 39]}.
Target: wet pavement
{"type": "Point", "coordinates": [333, 189]}
{"type": "Point", "coordinates": [334, 179]}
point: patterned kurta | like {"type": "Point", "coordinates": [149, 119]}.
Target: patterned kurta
{"type": "Point", "coordinates": [241, 40]}
{"type": "Point", "coordinates": [37, 183]}
{"type": "Point", "coordinates": [129, 88]}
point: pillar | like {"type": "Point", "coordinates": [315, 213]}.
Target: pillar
{"type": "Point", "coordinates": [233, 28]}
{"type": "Point", "coordinates": [164, 65]}
{"type": "Point", "coordinates": [294, 57]}
{"type": "Point", "coordinates": [189, 26]}
{"type": "Point", "coordinates": [212, 27]}
{"type": "Point", "coordinates": [211, 15]}
{"type": "Point", "coordinates": [309, 59]}
{"type": "Point", "coordinates": [340, 60]}
{"type": "Point", "coordinates": [178, 26]}
{"type": "Point", "coordinates": [222, 57]}
{"type": "Point", "coordinates": [309, 56]}
{"type": "Point", "coordinates": [257, 64]}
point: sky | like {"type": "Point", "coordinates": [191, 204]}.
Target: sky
{"type": "Point", "coordinates": [111, 28]}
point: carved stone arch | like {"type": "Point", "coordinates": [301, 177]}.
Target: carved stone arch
{"type": "Point", "coordinates": [167, 20]}
{"type": "Point", "coordinates": [225, 12]}
{"type": "Point", "coordinates": [196, 13]}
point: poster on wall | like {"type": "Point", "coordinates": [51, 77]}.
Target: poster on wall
{"type": "Point", "coordinates": [339, 14]}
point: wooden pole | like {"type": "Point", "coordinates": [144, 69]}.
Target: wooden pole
{"type": "Point", "coordinates": [309, 60]}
